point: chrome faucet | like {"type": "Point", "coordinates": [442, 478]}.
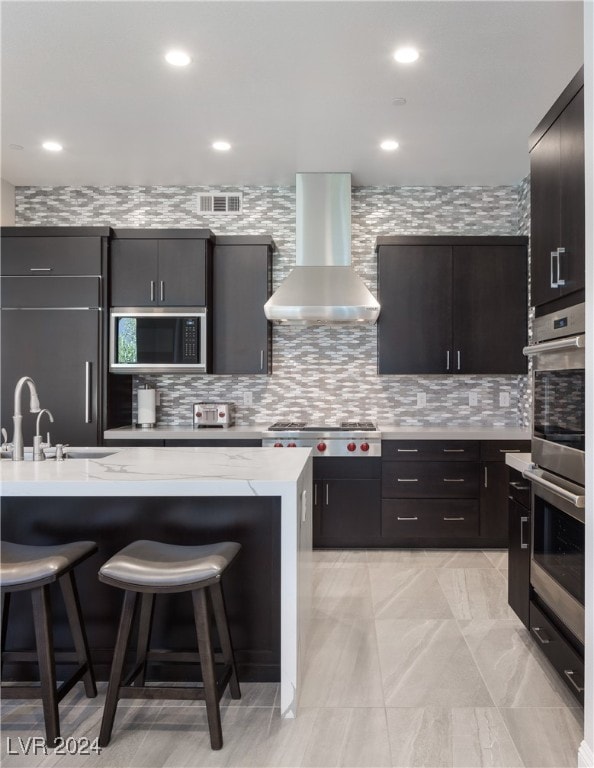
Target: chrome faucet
{"type": "Point", "coordinates": [18, 450]}
{"type": "Point", "coordinates": [38, 444]}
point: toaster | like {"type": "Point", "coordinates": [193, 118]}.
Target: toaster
{"type": "Point", "coordinates": [213, 414]}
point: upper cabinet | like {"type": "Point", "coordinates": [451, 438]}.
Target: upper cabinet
{"type": "Point", "coordinates": [242, 285]}
{"type": "Point", "coordinates": [161, 267]}
{"type": "Point", "coordinates": [452, 305]}
{"type": "Point", "coordinates": [557, 201]}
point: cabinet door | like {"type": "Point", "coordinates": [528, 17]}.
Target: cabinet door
{"type": "Point", "coordinates": [494, 498]}
{"type": "Point", "coordinates": [51, 256]}
{"type": "Point", "coordinates": [350, 512]}
{"type": "Point", "coordinates": [134, 273]}
{"type": "Point", "coordinates": [572, 170]}
{"type": "Point", "coordinates": [490, 299]}
{"type": "Point", "coordinates": [59, 350]}
{"type": "Point", "coordinates": [182, 273]}
{"type": "Point", "coordinates": [241, 288]}
{"type": "Point", "coordinates": [414, 326]}
{"type": "Point", "coordinates": [518, 584]}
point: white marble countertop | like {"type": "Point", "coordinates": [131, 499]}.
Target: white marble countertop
{"type": "Point", "coordinates": [519, 461]}
{"type": "Point", "coordinates": [194, 471]}
{"type": "Point", "coordinates": [254, 432]}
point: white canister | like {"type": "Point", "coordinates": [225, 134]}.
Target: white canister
{"type": "Point", "coordinates": [147, 407]}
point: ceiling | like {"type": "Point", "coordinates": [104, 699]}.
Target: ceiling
{"type": "Point", "coordinates": [294, 86]}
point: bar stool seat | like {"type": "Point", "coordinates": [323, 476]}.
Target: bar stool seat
{"type": "Point", "coordinates": [150, 568]}
{"type": "Point", "coordinates": [25, 567]}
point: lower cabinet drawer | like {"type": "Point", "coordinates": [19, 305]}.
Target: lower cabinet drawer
{"type": "Point", "coordinates": [430, 479]}
{"type": "Point", "coordinates": [566, 660]}
{"type": "Point", "coordinates": [430, 518]}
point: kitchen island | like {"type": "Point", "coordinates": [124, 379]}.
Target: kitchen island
{"type": "Point", "coordinates": [257, 496]}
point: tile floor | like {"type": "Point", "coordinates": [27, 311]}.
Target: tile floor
{"type": "Point", "coordinates": [414, 660]}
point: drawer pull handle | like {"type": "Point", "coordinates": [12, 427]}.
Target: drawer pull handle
{"type": "Point", "coordinates": [518, 486]}
{"type": "Point", "coordinates": [543, 640]}
{"type": "Point", "coordinates": [407, 450]}
{"type": "Point", "coordinates": [407, 518]}
{"type": "Point", "coordinates": [510, 450]}
{"type": "Point", "coordinates": [41, 269]}
{"type": "Point", "coordinates": [454, 450]}
{"type": "Point", "coordinates": [569, 673]}
{"type": "Point", "coordinates": [407, 479]}
{"type": "Point", "coordinates": [523, 544]}
{"type": "Point", "coordinates": [454, 480]}
{"type": "Point", "coordinates": [453, 518]}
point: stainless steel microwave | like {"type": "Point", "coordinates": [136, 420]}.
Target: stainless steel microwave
{"type": "Point", "coordinates": [158, 340]}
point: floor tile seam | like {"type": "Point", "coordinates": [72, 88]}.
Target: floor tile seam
{"type": "Point", "coordinates": [473, 657]}
{"type": "Point", "coordinates": [377, 652]}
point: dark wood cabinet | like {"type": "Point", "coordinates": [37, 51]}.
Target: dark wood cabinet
{"type": "Point", "coordinates": [494, 489]}
{"type": "Point", "coordinates": [520, 526]}
{"type": "Point", "coordinates": [452, 305]}
{"type": "Point", "coordinates": [557, 201]}
{"type": "Point", "coordinates": [242, 270]}
{"type": "Point", "coordinates": [170, 268]}
{"type": "Point", "coordinates": [347, 506]}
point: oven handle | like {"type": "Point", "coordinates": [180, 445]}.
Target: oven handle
{"type": "Point", "coordinates": [574, 342]}
{"type": "Point", "coordinates": [577, 501]}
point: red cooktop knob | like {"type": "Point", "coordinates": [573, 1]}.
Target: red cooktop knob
{"type": "Point", "coordinates": [365, 447]}
{"type": "Point", "coordinates": [222, 414]}
{"type": "Point", "coordinates": [198, 413]}
{"type": "Point", "coordinates": [278, 445]}
{"type": "Point", "coordinates": [322, 447]}
{"type": "Point", "coordinates": [351, 447]}
{"type": "Point", "coordinates": [292, 445]}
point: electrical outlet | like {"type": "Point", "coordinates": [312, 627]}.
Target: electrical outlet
{"type": "Point", "coordinates": [421, 399]}
{"type": "Point", "coordinates": [473, 398]}
{"type": "Point", "coordinates": [504, 399]}
{"type": "Point", "coordinates": [247, 398]}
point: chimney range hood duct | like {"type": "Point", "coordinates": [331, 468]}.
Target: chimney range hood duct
{"type": "Point", "coordinates": [323, 288]}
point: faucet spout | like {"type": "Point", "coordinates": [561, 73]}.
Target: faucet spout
{"type": "Point", "coordinates": [18, 451]}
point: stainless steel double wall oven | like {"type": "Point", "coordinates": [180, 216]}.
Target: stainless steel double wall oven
{"type": "Point", "coordinates": [558, 450]}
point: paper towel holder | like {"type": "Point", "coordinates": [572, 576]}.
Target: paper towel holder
{"type": "Point", "coordinates": [147, 406]}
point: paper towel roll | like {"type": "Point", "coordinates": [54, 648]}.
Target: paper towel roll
{"type": "Point", "coordinates": [147, 412]}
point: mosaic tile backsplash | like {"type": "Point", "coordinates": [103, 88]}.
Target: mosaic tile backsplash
{"type": "Point", "coordinates": [328, 373]}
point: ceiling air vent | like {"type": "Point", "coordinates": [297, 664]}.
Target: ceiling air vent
{"type": "Point", "coordinates": [220, 202]}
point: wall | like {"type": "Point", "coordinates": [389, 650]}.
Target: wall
{"type": "Point", "coordinates": [328, 373]}
{"type": "Point", "coordinates": [7, 210]}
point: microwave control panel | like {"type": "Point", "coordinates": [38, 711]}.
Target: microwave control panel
{"type": "Point", "coordinates": [190, 340]}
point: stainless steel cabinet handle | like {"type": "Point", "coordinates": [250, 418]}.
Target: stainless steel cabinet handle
{"type": "Point", "coordinates": [518, 486]}
{"type": "Point", "coordinates": [407, 450]}
{"type": "Point", "coordinates": [152, 290]}
{"type": "Point", "coordinates": [327, 495]}
{"type": "Point", "coordinates": [560, 280]}
{"type": "Point", "coordinates": [569, 673]}
{"type": "Point", "coordinates": [453, 480]}
{"type": "Point", "coordinates": [41, 269]}
{"type": "Point", "coordinates": [453, 518]}
{"type": "Point", "coordinates": [261, 359]}
{"type": "Point", "coordinates": [523, 544]}
{"type": "Point", "coordinates": [554, 283]}
{"type": "Point", "coordinates": [88, 406]}
{"type": "Point", "coordinates": [407, 479]}
{"type": "Point", "coordinates": [453, 450]}
{"type": "Point", "coordinates": [448, 360]}
{"type": "Point", "coordinates": [459, 362]}
{"type": "Point", "coordinates": [510, 450]}
{"type": "Point", "coordinates": [543, 640]}
{"type": "Point", "coordinates": [315, 494]}
{"type": "Point", "coordinates": [407, 518]}
{"type": "Point", "coordinates": [162, 290]}
{"type": "Point", "coordinates": [486, 477]}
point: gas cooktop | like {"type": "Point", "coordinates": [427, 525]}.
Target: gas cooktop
{"type": "Point", "coordinates": [302, 426]}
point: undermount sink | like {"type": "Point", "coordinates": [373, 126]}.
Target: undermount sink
{"type": "Point", "coordinates": [69, 453]}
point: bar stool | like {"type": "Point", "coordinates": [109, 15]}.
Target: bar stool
{"type": "Point", "coordinates": [34, 568]}
{"type": "Point", "coordinates": [150, 567]}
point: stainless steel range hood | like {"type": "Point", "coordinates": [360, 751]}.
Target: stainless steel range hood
{"type": "Point", "coordinates": [323, 288]}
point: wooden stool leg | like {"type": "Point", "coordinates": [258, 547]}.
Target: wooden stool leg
{"type": "Point", "coordinates": [147, 606]}
{"type": "Point", "coordinates": [4, 620]}
{"type": "Point", "coordinates": [218, 604]}
{"type": "Point", "coordinates": [115, 677]}
{"type": "Point", "coordinates": [77, 628]}
{"type": "Point", "coordinates": [45, 653]}
{"type": "Point", "coordinates": [207, 663]}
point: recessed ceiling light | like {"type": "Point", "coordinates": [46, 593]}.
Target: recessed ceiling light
{"type": "Point", "coordinates": [389, 145]}
{"type": "Point", "coordinates": [15, 146]}
{"type": "Point", "coordinates": [406, 55]}
{"type": "Point", "coordinates": [52, 146]}
{"type": "Point", "coordinates": [177, 58]}
{"type": "Point", "coordinates": [221, 146]}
